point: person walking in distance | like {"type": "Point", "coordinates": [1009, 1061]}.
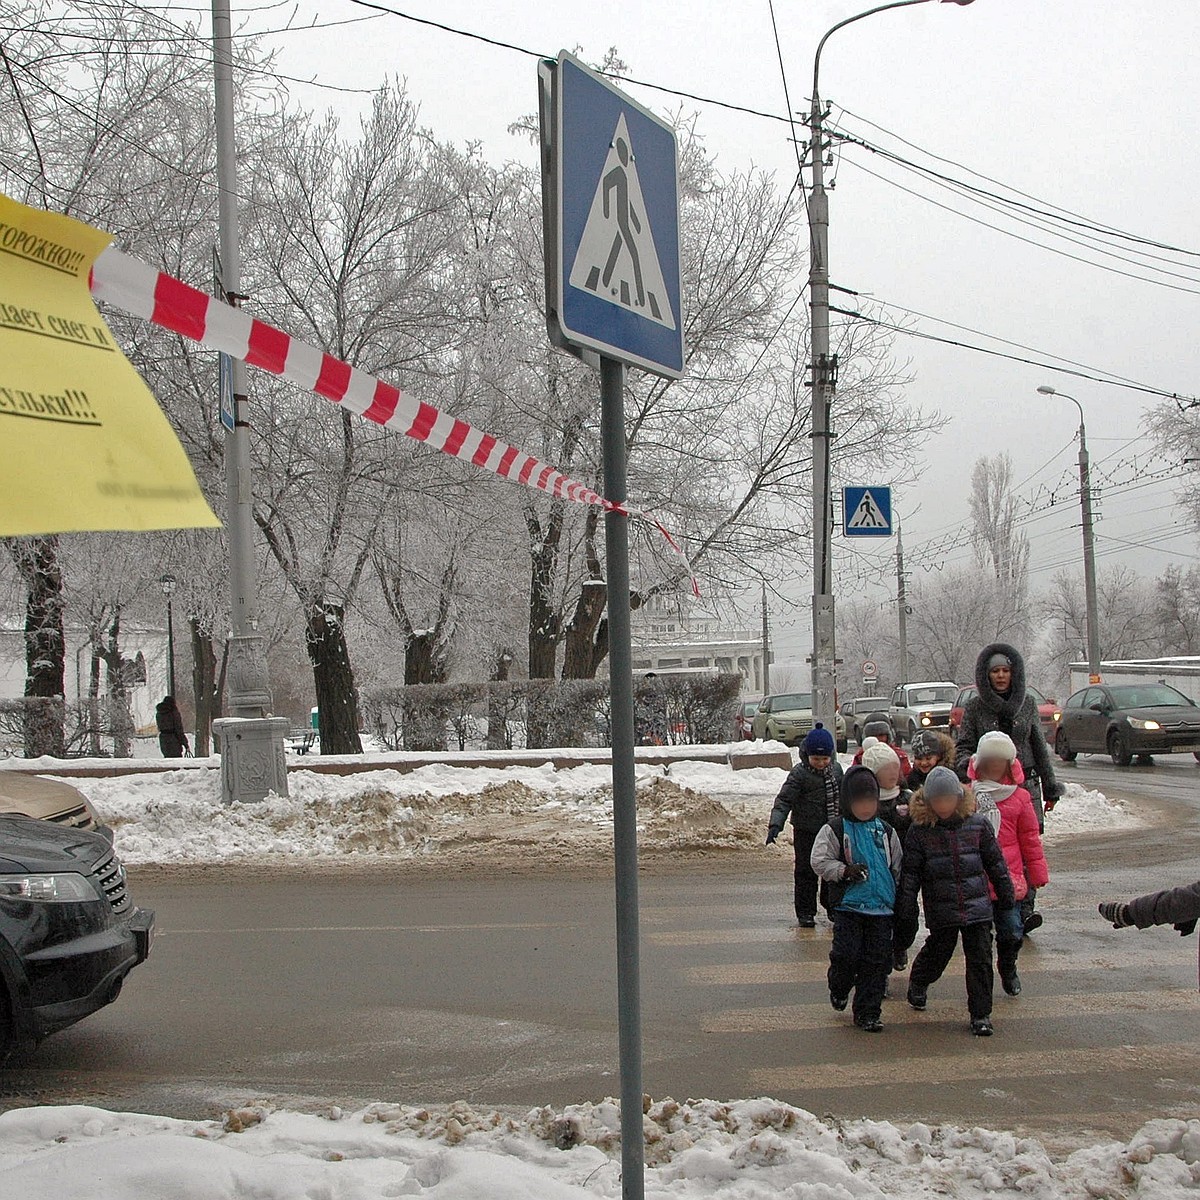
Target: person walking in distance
{"type": "Point", "coordinates": [172, 740]}
{"type": "Point", "coordinates": [810, 797]}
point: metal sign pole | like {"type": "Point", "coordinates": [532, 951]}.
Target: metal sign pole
{"type": "Point", "coordinates": [629, 1000]}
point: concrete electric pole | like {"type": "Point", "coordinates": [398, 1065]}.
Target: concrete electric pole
{"type": "Point", "coordinates": [1089, 540]}
{"type": "Point", "coordinates": [250, 742]}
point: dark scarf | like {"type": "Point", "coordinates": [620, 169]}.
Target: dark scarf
{"type": "Point", "coordinates": [1005, 707]}
{"type": "Point", "coordinates": [833, 801]}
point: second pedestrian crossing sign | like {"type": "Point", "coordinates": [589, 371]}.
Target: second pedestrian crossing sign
{"type": "Point", "coordinates": [867, 511]}
{"type": "Point", "coordinates": [611, 210]}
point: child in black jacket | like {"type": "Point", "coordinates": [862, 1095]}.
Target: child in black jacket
{"type": "Point", "coordinates": [810, 796]}
{"type": "Point", "coordinates": [950, 853]}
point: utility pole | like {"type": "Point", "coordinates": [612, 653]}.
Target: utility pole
{"type": "Point", "coordinates": [1089, 540]}
{"type": "Point", "coordinates": [766, 644]}
{"type": "Point", "coordinates": [902, 604]}
{"type": "Point", "coordinates": [824, 382]}
{"type": "Point", "coordinates": [251, 743]}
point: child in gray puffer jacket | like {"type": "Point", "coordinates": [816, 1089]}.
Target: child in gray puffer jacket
{"type": "Point", "coordinates": [1179, 907]}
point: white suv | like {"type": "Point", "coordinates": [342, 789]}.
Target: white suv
{"type": "Point", "coordinates": [917, 706]}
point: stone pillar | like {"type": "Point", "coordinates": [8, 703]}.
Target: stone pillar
{"type": "Point", "coordinates": [252, 757]}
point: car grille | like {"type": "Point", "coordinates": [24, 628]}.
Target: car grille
{"type": "Point", "coordinates": [74, 818]}
{"type": "Point", "coordinates": [109, 877]}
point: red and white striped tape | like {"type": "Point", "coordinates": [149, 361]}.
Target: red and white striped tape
{"type": "Point", "coordinates": [138, 289]}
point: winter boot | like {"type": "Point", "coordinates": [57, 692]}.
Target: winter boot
{"type": "Point", "coordinates": [982, 1027]}
{"type": "Point", "coordinates": [1011, 982]}
{"type": "Point", "coordinates": [839, 1002]}
{"type": "Point", "coordinates": [918, 998]}
{"type": "Point", "coordinates": [869, 1024]}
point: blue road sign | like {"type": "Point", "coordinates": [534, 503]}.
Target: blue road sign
{"type": "Point", "coordinates": [616, 278]}
{"type": "Point", "coordinates": [867, 511]}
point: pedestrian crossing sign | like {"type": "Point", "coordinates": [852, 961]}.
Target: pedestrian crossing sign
{"type": "Point", "coordinates": [867, 511]}
{"type": "Point", "coordinates": [611, 195]}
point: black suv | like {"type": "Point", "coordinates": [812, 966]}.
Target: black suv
{"type": "Point", "coordinates": [68, 932]}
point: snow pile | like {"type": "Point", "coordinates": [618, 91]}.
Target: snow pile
{"type": "Point", "coordinates": [746, 1150]}
{"type": "Point", "coordinates": [1081, 810]}
{"type": "Point", "coordinates": [178, 816]}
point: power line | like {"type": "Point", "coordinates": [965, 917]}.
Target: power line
{"type": "Point", "coordinates": [932, 337]}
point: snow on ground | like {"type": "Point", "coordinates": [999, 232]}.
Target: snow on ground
{"type": "Point", "coordinates": [537, 812]}
{"type": "Point", "coordinates": [745, 1150]}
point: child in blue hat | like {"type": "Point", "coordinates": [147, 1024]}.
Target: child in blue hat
{"type": "Point", "coordinates": [810, 797]}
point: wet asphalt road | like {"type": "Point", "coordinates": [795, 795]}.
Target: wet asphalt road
{"type": "Point", "coordinates": [362, 986]}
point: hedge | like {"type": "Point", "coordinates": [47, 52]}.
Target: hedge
{"type": "Point", "coordinates": [538, 713]}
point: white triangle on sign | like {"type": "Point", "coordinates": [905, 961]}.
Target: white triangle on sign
{"type": "Point", "coordinates": [867, 515]}
{"type": "Point", "coordinates": [616, 259]}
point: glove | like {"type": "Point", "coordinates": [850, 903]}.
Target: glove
{"type": "Point", "coordinates": [899, 959]}
{"type": "Point", "coordinates": [772, 834]}
{"type": "Point", "coordinates": [1048, 805]}
{"type": "Point", "coordinates": [1186, 927]}
{"type": "Point", "coordinates": [855, 873]}
{"type": "Point", "coordinates": [1115, 912]}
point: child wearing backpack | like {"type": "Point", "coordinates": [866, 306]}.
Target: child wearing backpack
{"type": "Point", "coordinates": [996, 773]}
{"type": "Point", "coordinates": [858, 855]}
{"type": "Point", "coordinates": [951, 856]}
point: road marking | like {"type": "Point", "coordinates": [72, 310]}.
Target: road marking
{"type": "Point", "coordinates": [977, 1061]}
{"type": "Point", "coordinates": [780, 1017]}
{"type": "Point", "coordinates": [813, 971]}
{"type": "Point", "coordinates": [379, 928]}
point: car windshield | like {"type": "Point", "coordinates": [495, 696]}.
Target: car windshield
{"type": "Point", "coordinates": [931, 695]}
{"type": "Point", "coordinates": [795, 700]}
{"type": "Point", "coordinates": [1038, 698]}
{"type": "Point", "coordinates": [1149, 695]}
{"type": "Point", "coordinates": [750, 708]}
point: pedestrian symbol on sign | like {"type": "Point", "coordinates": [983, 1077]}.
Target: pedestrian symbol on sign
{"type": "Point", "coordinates": [867, 515]}
{"type": "Point", "coordinates": [616, 259]}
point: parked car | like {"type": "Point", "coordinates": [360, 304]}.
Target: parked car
{"type": "Point", "coordinates": [854, 714]}
{"type": "Point", "coordinates": [784, 718]}
{"type": "Point", "coordinates": [1128, 719]}
{"type": "Point", "coordinates": [1049, 711]}
{"type": "Point", "coordinates": [69, 934]}
{"type": "Point", "coordinates": [917, 706]}
{"type": "Point", "coordinates": [743, 723]}
{"type": "Point", "coordinates": [47, 800]}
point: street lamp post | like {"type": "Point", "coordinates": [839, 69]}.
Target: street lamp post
{"type": "Point", "coordinates": [168, 584]}
{"type": "Point", "coordinates": [1089, 539]}
{"type": "Point", "coordinates": [824, 383]}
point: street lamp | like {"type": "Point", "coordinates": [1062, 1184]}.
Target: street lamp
{"type": "Point", "coordinates": [1089, 539]}
{"type": "Point", "coordinates": [169, 584]}
{"type": "Point", "coordinates": [824, 383]}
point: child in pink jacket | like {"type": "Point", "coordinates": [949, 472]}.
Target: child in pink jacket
{"type": "Point", "coordinates": [997, 775]}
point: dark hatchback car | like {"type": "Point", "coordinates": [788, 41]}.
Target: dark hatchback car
{"type": "Point", "coordinates": [69, 933]}
{"type": "Point", "coordinates": [1126, 720]}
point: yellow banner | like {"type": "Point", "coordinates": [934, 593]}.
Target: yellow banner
{"type": "Point", "coordinates": [83, 443]}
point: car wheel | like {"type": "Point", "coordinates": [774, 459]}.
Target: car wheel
{"type": "Point", "coordinates": [1118, 749]}
{"type": "Point", "coordinates": [1063, 748]}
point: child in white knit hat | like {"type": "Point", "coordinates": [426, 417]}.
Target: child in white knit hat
{"type": "Point", "coordinates": [997, 778]}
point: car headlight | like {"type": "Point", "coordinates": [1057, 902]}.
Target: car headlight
{"type": "Point", "coordinates": [1057, 716]}
{"type": "Point", "coordinates": [67, 888]}
{"type": "Point", "coordinates": [1140, 724]}
{"type": "Point", "coordinates": [926, 718]}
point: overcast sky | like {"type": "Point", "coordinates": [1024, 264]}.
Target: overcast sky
{"type": "Point", "coordinates": [1087, 104]}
